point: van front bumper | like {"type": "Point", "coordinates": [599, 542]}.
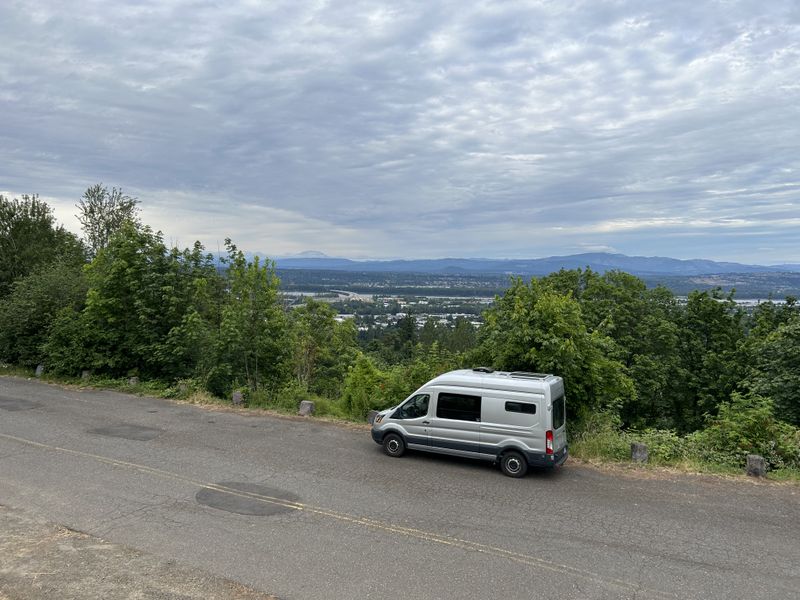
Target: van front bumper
{"type": "Point", "coordinates": [536, 459]}
{"type": "Point", "coordinates": [377, 436]}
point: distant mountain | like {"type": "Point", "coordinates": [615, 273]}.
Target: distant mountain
{"type": "Point", "coordinates": [308, 254]}
{"type": "Point", "coordinates": [597, 261]}
{"type": "Point", "coordinates": [790, 268]}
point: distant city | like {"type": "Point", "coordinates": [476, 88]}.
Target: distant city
{"type": "Point", "coordinates": [378, 299]}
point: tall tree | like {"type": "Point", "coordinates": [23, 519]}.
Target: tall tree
{"type": "Point", "coordinates": [102, 212]}
{"type": "Point", "coordinates": [30, 237]}
{"type": "Point", "coordinates": [252, 347]}
{"type": "Point", "coordinates": [538, 328]}
{"type": "Point", "coordinates": [776, 369]}
{"type": "Point", "coordinates": [711, 333]}
{"type": "Point", "coordinates": [28, 312]}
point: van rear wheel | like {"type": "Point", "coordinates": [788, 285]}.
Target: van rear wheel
{"type": "Point", "coordinates": [513, 464]}
{"type": "Point", "coordinates": [393, 445]}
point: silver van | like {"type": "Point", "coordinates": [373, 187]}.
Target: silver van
{"type": "Point", "coordinates": [515, 418]}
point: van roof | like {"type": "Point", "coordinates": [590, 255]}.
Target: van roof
{"type": "Point", "coordinates": [520, 381]}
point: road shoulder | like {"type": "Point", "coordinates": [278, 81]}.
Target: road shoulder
{"type": "Point", "coordinates": [40, 560]}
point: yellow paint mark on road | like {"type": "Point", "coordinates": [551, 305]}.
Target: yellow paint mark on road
{"type": "Point", "coordinates": [389, 528]}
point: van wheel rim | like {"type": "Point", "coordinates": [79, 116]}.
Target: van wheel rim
{"type": "Point", "coordinates": [393, 446]}
{"type": "Point", "coordinates": [513, 466]}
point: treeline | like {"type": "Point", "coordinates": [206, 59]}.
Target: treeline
{"type": "Point", "coordinates": [120, 303]}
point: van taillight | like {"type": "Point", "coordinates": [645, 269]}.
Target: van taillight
{"type": "Point", "coordinates": [548, 442]}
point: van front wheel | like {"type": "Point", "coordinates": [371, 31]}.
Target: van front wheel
{"type": "Point", "coordinates": [393, 445]}
{"type": "Point", "coordinates": [513, 464]}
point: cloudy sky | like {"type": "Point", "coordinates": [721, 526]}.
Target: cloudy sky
{"type": "Point", "coordinates": [418, 129]}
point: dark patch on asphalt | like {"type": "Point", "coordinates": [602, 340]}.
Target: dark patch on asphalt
{"type": "Point", "coordinates": [247, 498]}
{"type": "Point", "coordinates": [15, 404]}
{"type": "Point", "coordinates": [129, 432]}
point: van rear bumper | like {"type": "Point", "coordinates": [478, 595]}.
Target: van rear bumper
{"type": "Point", "coordinates": [537, 459]}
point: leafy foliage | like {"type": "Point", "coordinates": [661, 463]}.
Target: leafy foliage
{"type": "Point", "coordinates": [535, 327]}
{"type": "Point", "coordinates": [28, 312]}
{"type": "Point", "coordinates": [323, 347]}
{"type": "Point", "coordinates": [747, 425]}
{"type": "Point", "coordinates": [29, 238]}
{"type": "Point", "coordinates": [776, 373]}
{"type": "Point", "coordinates": [102, 213]}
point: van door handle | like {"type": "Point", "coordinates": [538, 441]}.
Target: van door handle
{"type": "Point", "coordinates": [426, 422]}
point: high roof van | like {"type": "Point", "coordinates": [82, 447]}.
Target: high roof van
{"type": "Point", "coordinates": [515, 418]}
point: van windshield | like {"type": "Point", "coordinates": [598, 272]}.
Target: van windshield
{"type": "Point", "coordinates": [559, 411]}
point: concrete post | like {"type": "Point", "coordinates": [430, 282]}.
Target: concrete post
{"type": "Point", "coordinates": [39, 370]}
{"type": "Point", "coordinates": [639, 452]}
{"type": "Point", "coordinates": [756, 465]}
{"type": "Point", "coordinates": [237, 398]}
{"type": "Point", "coordinates": [371, 416]}
{"type": "Point", "coordinates": [306, 408]}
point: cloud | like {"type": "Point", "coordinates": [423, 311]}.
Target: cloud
{"type": "Point", "coordinates": [416, 128]}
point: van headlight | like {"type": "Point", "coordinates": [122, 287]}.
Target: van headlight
{"type": "Point", "coordinates": [378, 418]}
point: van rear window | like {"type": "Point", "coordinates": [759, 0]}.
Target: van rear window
{"type": "Point", "coordinates": [521, 407]}
{"type": "Point", "coordinates": [559, 411]}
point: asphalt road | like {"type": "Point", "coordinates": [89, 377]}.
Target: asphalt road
{"type": "Point", "coordinates": [308, 510]}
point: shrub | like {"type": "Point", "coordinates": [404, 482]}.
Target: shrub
{"type": "Point", "coordinates": [364, 389]}
{"type": "Point", "coordinates": [598, 435]}
{"type": "Point", "coordinates": [747, 425]}
{"type": "Point", "coordinates": [664, 446]}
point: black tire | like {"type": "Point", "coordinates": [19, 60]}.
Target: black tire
{"type": "Point", "coordinates": [513, 464]}
{"type": "Point", "coordinates": [393, 445]}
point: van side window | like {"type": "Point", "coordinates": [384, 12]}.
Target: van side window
{"type": "Point", "coordinates": [521, 407]}
{"type": "Point", "coordinates": [416, 407]}
{"type": "Point", "coordinates": [459, 407]}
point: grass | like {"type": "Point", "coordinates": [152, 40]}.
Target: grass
{"type": "Point", "coordinates": [614, 449]}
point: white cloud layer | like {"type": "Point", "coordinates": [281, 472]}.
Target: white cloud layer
{"type": "Point", "coordinates": [417, 128]}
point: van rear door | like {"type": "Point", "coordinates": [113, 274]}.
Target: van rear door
{"type": "Point", "coordinates": [559, 423]}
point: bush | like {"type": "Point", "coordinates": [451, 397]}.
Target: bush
{"type": "Point", "coordinates": [28, 312]}
{"type": "Point", "coordinates": [598, 435]}
{"type": "Point", "coordinates": [364, 389]}
{"type": "Point", "coordinates": [664, 446]}
{"type": "Point", "coordinates": [747, 425]}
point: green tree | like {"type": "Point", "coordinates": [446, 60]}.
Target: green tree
{"type": "Point", "coordinates": [776, 373]}
{"type": "Point", "coordinates": [462, 337]}
{"type": "Point", "coordinates": [537, 328]}
{"type": "Point", "coordinates": [712, 364]}
{"type": "Point", "coordinates": [30, 237]}
{"type": "Point", "coordinates": [102, 212]}
{"type": "Point", "coordinates": [28, 312]}
{"type": "Point", "coordinates": [138, 293]}
{"type": "Point", "coordinates": [323, 347]}
{"type": "Point", "coordinates": [364, 388]}
{"type": "Point", "coordinates": [253, 348]}
{"type": "Point", "coordinates": [641, 324]}
{"type": "Point", "coordinates": [190, 349]}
